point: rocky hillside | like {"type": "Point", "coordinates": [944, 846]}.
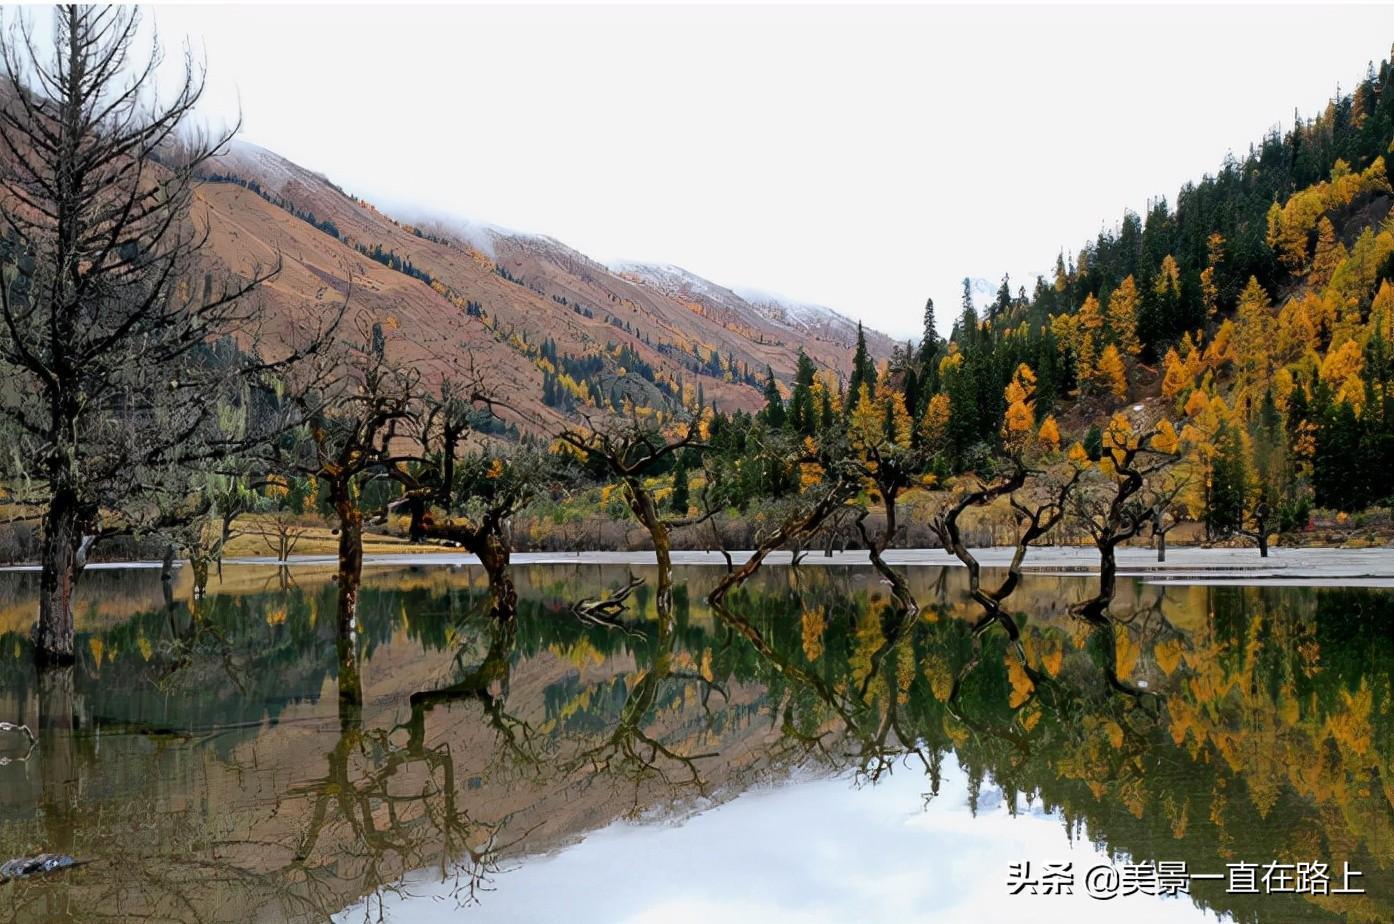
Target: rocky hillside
{"type": "Point", "coordinates": [564, 333]}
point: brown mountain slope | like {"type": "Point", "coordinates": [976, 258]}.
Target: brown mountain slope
{"type": "Point", "coordinates": [493, 295]}
{"type": "Point", "coordinates": [827, 337]}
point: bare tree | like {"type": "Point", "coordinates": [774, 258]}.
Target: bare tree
{"type": "Point", "coordinates": [360, 429]}
{"type": "Point", "coordinates": [1038, 499]}
{"type": "Point", "coordinates": [796, 518]}
{"type": "Point", "coordinates": [632, 450]}
{"type": "Point", "coordinates": [122, 372]}
{"type": "Point", "coordinates": [469, 495]}
{"type": "Point", "coordinates": [1167, 510]}
{"type": "Point", "coordinates": [1113, 506]}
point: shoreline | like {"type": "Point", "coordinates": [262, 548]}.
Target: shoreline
{"type": "Point", "coordinates": [1185, 565]}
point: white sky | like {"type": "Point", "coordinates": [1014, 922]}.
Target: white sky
{"type": "Point", "coordinates": [858, 157]}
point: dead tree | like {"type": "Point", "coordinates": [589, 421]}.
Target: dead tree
{"type": "Point", "coordinates": [117, 359]}
{"type": "Point", "coordinates": [1166, 510]}
{"type": "Point", "coordinates": [1039, 502]}
{"type": "Point", "coordinates": [605, 611]}
{"type": "Point", "coordinates": [361, 432]}
{"type": "Point", "coordinates": [632, 451]}
{"type": "Point", "coordinates": [828, 479]}
{"type": "Point", "coordinates": [1114, 508]}
{"type": "Point", "coordinates": [890, 470]}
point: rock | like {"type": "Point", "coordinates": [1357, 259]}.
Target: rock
{"type": "Point", "coordinates": [44, 863]}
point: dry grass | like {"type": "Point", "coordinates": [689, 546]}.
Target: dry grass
{"type": "Point", "coordinates": [256, 538]}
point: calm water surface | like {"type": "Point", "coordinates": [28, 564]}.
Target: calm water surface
{"type": "Point", "coordinates": [808, 755]}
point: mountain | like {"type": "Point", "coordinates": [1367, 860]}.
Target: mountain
{"type": "Point", "coordinates": [825, 335]}
{"type": "Point", "coordinates": [561, 331]}
{"type": "Point", "coordinates": [1254, 310]}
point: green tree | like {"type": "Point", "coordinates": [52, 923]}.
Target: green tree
{"type": "Point", "coordinates": [863, 370]}
{"type": "Point", "coordinates": [1229, 484]}
{"type": "Point", "coordinates": [681, 497]}
{"type": "Point", "coordinates": [802, 414]}
{"type": "Point", "coordinates": [774, 404]}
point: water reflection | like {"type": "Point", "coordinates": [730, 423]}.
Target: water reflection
{"type": "Point", "coordinates": [200, 755]}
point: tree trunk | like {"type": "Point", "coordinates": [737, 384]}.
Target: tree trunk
{"type": "Point", "coordinates": [1161, 546]}
{"type": "Point", "coordinates": [350, 578]}
{"type": "Point", "coordinates": [493, 554]}
{"type": "Point", "coordinates": [641, 502]}
{"type": "Point", "coordinates": [60, 563]}
{"type": "Point", "coordinates": [198, 564]}
{"type": "Point", "coordinates": [416, 528]}
{"type": "Point", "coordinates": [1261, 521]}
{"type": "Point", "coordinates": [167, 576]}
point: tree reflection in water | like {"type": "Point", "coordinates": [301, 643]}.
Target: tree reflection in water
{"type": "Point", "coordinates": [203, 761]}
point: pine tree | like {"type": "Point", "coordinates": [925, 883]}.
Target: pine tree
{"type": "Point", "coordinates": [802, 414]}
{"type": "Point", "coordinates": [929, 338]}
{"type": "Point", "coordinates": [967, 329]}
{"type": "Point", "coordinates": [863, 368]}
{"type": "Point", "coordinates": [1003, 302]}
{"type": "Point", "coordinates": [774, 404]}
{"type": "Point", "coordinates": [1229, 484]}
{"type": "Point", "coordinates": [680, 499]}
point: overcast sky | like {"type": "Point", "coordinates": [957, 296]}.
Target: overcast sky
{"type": "Point", "coordinates": [861, 158]}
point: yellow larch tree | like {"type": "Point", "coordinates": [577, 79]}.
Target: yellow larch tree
{"type": "Point", "coordinates": [1175, 377]}
{"type": "Point", "coordinates": [1019, 421]}
{"type": "Point", "coordinates": [1297, 334]}
{"type": "Point", "coordinates": [1122, 317]}
{"type": "Point", "coordinates": [1382, 312]}
{"type": "Point", "coordinates": [934, 426]}
{"type": "Point", "coordinates": [1342, 369]}
{"type": "Point", "coordinates": [1330, 253]}
{"type": "Point", "coordinates": [1112, 374]}
{"type": "Point", "coordinates": [1253, 337]}
{"type": "Point", "coordinates": [1168, 281]}
{"type": "Point", "coordinates": [1091, 318]}
{"type": "Point", "coordinates": [1220, 351]}
{"type": "Point", "coordinates": [1085, 362]}
{"type": "Point", "coordinates": [1209, 288]}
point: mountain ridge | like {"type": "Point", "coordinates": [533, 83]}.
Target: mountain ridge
{"type": "Point", "coordinates": [467, 285]}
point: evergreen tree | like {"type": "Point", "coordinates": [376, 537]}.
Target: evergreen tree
{"type": "Point", "coordinates": [863, 370]}
{"type": "Point", "coordinates": [774, 404]}
{"type": "Point", "coordinates": [1003, 303]}
{"type": "Point", "coordinates": [929, 338]}
{"type": "Point", "coordinates": [1229, 484]}
{"type": "Point", "coordinates": [802, 414]}
{"type": "Point", "coordinates": [680, 499]}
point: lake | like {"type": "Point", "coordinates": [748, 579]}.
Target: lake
{"type": "Point", "coordinates": [809, 753]}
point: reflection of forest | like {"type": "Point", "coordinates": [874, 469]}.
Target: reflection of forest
{"type": "Point", "coordinates": [200, 759]}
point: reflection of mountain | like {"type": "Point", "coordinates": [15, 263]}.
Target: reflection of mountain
{"type": "Point", "coordinates": [1275, 739]}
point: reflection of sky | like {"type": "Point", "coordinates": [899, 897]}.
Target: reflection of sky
{"type": "Point", "coordinates": [814, 852]}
